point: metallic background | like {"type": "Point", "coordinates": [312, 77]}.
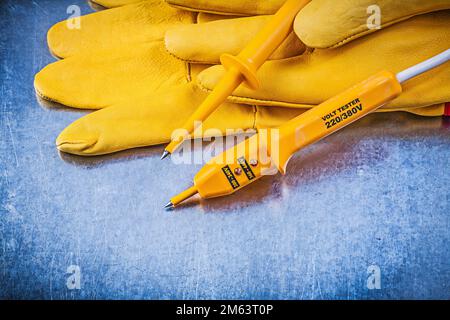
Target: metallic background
{"type": "Point", "coordinates": [376, 193]}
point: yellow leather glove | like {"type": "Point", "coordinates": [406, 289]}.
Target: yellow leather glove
{"type": "Point", "coordinates": [133, 83]}
{"type": "Point", "coordinates": [117, 62]}
{"type": "Point", "coordinates": [343, 51]}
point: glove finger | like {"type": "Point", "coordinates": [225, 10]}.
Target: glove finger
{"type": "Point", "coordinates": [205, 42]}
{"type": "Point", "coordinates": [126, 26]}
{"type": "Point", "coordinates": [146, 121]}
{"type": "Point", "coordinates": [210, 17]}
{"type": "Point", "coordinates": [101, 80]}
{"type": "Point", "coordinates": [233, 7]}
{"type": "Point", "coordinates": [331, 23]}
{"type": "Point", "coordinates": [430, 111]}
{"type": "Point", "coordinates": [114, 3]}
{"type": "Point", "coordinates": [314, 77]}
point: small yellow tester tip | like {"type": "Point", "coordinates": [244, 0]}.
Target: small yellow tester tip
{"type": "Point", "coordinates": [165, 154]}
{"type": "Point", "coordinates": [181, 197]}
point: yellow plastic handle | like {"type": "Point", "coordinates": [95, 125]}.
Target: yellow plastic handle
{"type": "Point", "coordinates": [264, 43]}
{"type": "Point", "coordinates": [243, 68]}
{"type": "Point", "coordinates": [268, 150]}
{"type": "Point", "coordinates": [334, 114]}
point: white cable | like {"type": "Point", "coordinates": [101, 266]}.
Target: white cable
{"type": "Point", "coordinates": [424, 66]}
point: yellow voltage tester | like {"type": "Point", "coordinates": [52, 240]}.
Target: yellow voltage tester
{"type": "Point", "coordinates": [243, 67]}
{"type": "Point", "coordinates": [268, 151]}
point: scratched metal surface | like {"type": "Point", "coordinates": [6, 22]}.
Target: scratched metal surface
{"type": "Point", "coordinates": [377, 193]}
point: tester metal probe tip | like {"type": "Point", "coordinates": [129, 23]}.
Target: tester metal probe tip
{"type": "Point", "coordinates": [169, 206]}
{"type": "Point", "coordinates": [181, 197]}
{"type": "Point", "coordinates": [165, 154]}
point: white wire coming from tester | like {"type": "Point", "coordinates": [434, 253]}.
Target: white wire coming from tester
{"type": "Point", "coordinates": [424, 66]}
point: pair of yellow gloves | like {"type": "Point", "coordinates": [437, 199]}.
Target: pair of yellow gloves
{"type": "Point", "coordinates": [149, 64]}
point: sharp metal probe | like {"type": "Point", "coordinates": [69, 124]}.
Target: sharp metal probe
{"type": "Point", "coordinates": [243, 67]}
{"type": "Point", "coordinates": [271, 150]}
